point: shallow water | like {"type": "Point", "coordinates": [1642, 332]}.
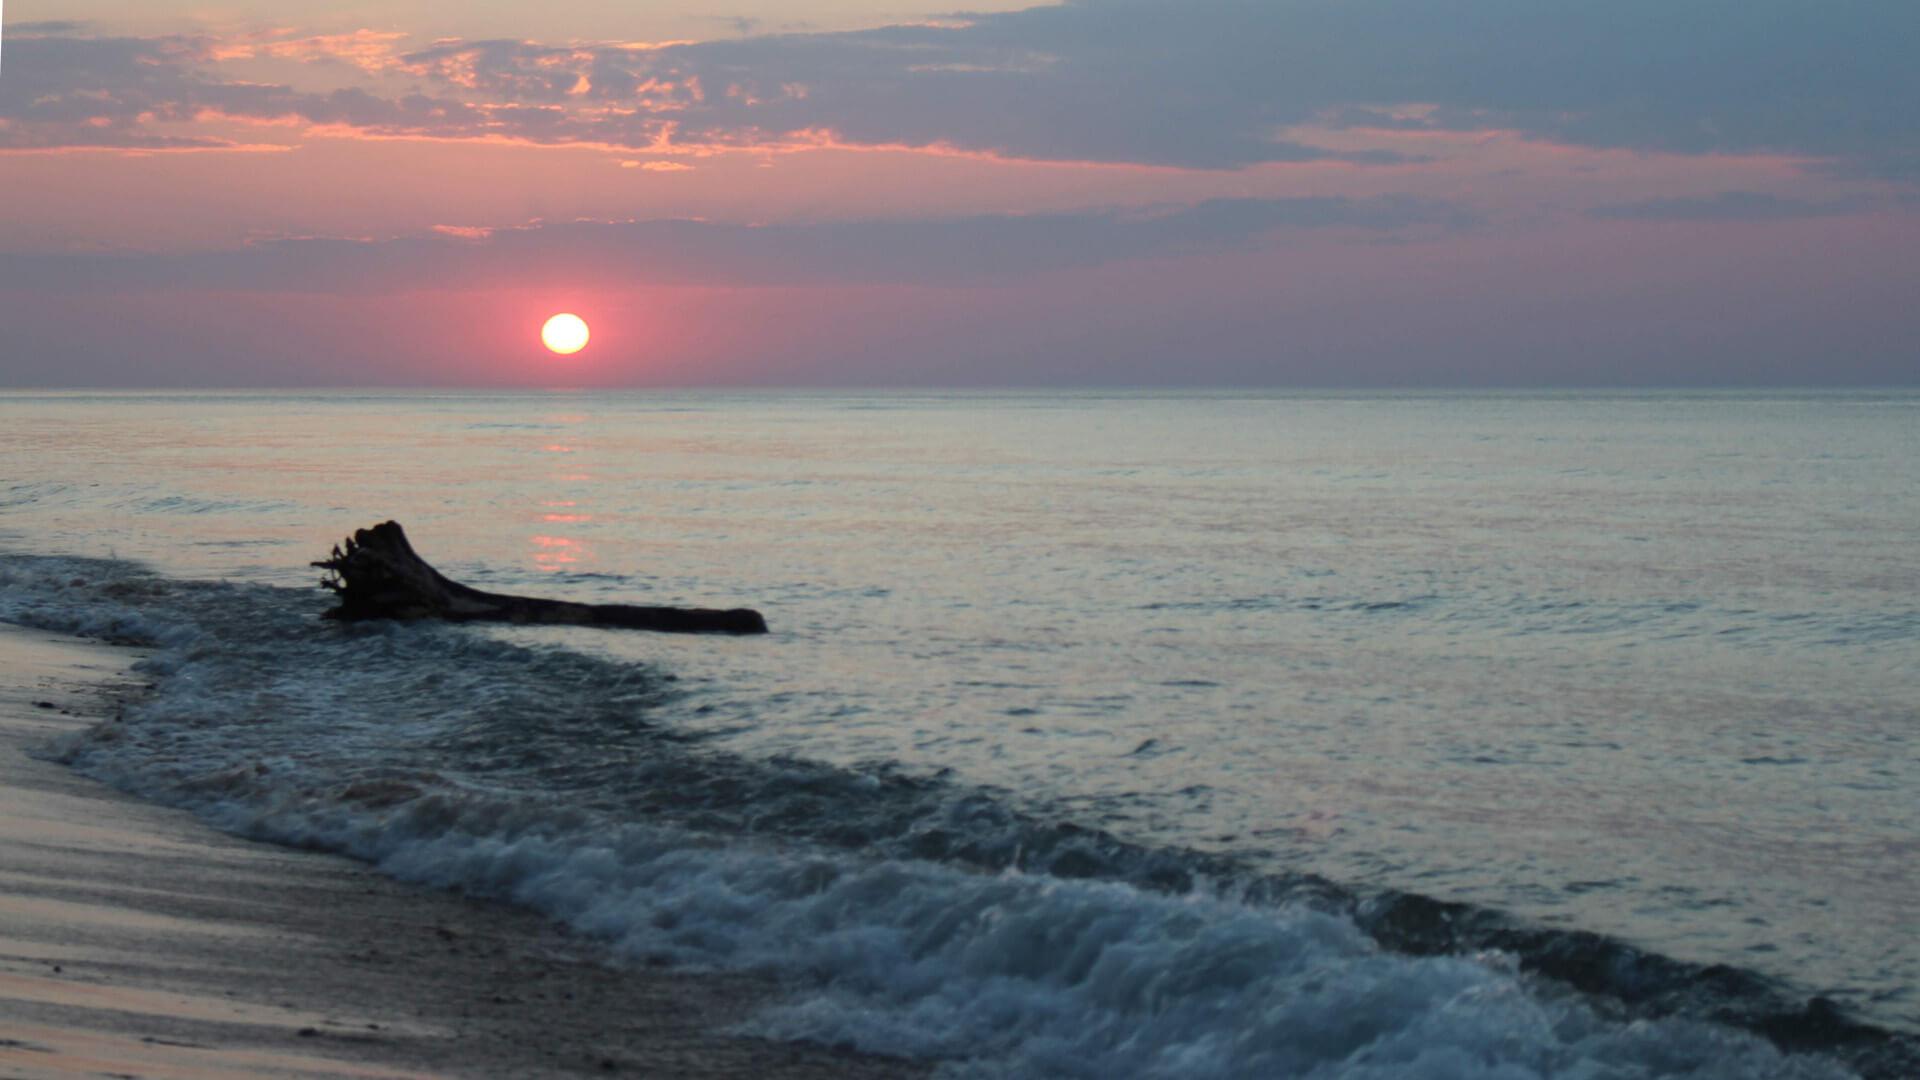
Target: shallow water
{"type": "Point", "coordinates": [1639, 664]}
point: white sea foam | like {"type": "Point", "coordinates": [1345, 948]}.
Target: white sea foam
{"type": "Point", "coordinates": [1020, 975]}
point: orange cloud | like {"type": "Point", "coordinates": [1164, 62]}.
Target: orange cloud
{"type": "Point", "coordinates": [368, 50]}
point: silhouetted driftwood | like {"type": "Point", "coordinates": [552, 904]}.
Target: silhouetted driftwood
{"type": "Point", "coordinates": [376, 575]}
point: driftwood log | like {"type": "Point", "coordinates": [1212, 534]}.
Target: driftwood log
{"type": "Point", "coordinates": [376, 575]}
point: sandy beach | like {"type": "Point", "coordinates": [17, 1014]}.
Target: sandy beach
{"type": "Point", "coordinates": [135, 941]}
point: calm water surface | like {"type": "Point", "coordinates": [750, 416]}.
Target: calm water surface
{"type": "Point", "coordinates": [1644, 664]}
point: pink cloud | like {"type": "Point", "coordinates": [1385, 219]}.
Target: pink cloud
{"type": "Point", "coordinates": [368, 50]}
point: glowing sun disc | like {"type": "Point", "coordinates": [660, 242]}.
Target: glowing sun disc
{"type": "Point", "coordinates": [565, 333]}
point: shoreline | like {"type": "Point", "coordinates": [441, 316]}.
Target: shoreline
{"type": "Point", "coordinates": [139, 941]}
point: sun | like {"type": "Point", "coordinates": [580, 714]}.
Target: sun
{"type": "Point", "coordinates": [565, 333]}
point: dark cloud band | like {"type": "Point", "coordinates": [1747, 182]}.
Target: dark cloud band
{"type": "Point", "coordinates": [1209, 84]}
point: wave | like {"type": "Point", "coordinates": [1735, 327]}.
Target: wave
{"type": "Point", "coordinates": [913, 915]}
{"type": "Point", "coordinates": [1553, 614]}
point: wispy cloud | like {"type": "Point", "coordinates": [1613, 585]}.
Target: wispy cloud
{"type": "Point", "coordinates": [1725, 206]}
{"type": "Point", "coordinates": [164, 93]}
{"type": "Point", "coordinates": [955, 251]}
{"type": "Point", "coordinates": [368, 50]}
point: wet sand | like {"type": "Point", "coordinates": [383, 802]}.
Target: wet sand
{"type": "Point", "coordinates": [135, 941]}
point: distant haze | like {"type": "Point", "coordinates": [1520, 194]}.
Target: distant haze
{"type": "Point", "coordinates": [836, 192]}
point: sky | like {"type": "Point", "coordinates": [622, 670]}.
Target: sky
{"type": "Point", "coordinates": [893, 193]}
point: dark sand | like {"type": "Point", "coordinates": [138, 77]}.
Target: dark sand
{"type": "Point", "coordinates": [135, 941]}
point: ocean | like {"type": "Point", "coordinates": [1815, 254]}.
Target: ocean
{"type": "Point", "coordinates": [1097, 734]}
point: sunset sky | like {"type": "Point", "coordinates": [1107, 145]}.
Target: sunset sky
{"type": "Point", "coordinates": [887, 193]}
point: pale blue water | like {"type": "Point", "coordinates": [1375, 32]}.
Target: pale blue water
{"type": "Point", "coordinates": [1646, 665]}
